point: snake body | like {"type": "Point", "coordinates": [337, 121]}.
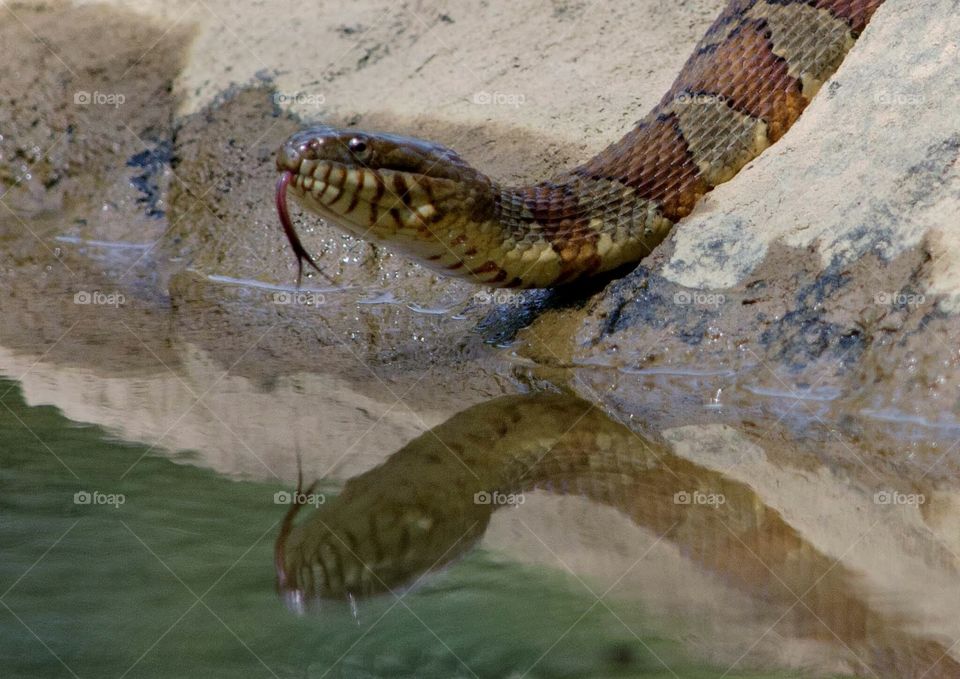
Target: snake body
{"type": "Point", "coordinates": [748, 80]}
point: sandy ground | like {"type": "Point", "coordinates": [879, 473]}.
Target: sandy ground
{"type": "Point", "coordinates": [568, 73]}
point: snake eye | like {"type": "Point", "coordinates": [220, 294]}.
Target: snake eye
{"type": "Point", "coordinates": [359, 148]}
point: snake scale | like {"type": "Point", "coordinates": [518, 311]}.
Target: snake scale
{"type": "Point", "coordinates": [747, 81]}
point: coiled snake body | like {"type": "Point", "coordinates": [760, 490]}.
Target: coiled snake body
{"type": "Point", "coordinates": [748, 80]}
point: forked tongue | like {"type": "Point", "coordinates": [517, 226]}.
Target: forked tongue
{"type": "Point", "coordinates": [288, 229]}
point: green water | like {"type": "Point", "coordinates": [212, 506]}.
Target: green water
{"type": "Point", "coordinates": [177, 581]}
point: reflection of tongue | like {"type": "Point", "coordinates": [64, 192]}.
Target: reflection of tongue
{"type": "Point", "coordinates": [295, 243]}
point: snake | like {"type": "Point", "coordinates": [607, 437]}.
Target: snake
{"type": "Point", "coordinates": [396, 525]}
{"type": "Point", "coordinates": [748, 80]}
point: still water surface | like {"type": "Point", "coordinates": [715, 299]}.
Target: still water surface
{"type": "Point", "coordinates": [172, 576]}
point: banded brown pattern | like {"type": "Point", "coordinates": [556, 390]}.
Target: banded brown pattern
{"type": "Point", "coordinates": [748, 80]}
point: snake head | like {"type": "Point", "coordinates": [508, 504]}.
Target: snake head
{"type": "Point", "coordinates": [373, 538]}
{"type": "Point", "coordinates": [383, 187]}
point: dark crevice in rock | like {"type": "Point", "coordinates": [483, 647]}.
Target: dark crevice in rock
{"type": "Point", "coordinates": [150, 182]}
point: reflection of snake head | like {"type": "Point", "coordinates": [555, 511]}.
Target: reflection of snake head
{"type": "Point", "coordinates": [383, 531]}
{"type": "Point", "coordinates": [367, 544]}
{"type": "Point", "coordinates": [382, 186]}
{"type": "Point", "coordinates": [425, 505]}
{"type": "Point", "coordinates": [431, 500]}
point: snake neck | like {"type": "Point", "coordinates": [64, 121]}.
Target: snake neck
{"type": "Point", "coordinates": [582, 222]}
{"type": "Point", "coordinates": [614, 209]}
{"type": "Point", "coordinates": [558, 231]}
{"type": "Point", "coordinates": [545, 234]}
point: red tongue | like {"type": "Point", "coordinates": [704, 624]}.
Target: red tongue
{"type": "Point", "coordinates": [295, 243]}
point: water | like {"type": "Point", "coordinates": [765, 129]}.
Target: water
{"type": "Point", "coordinates": [173, 576]}
{"type": "Point", "coordinates": [182, 418]}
